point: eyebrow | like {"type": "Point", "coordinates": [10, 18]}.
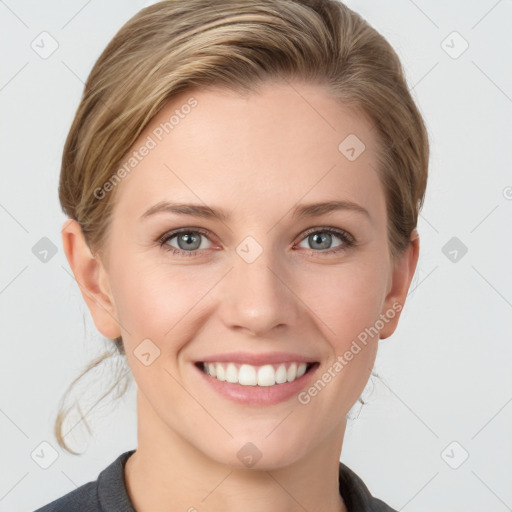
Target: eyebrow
{"type": "Point", "coordinates": [301, 211]}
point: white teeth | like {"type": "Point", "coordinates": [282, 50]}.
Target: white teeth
{"type": "Point", "coordinates": [266, 375]}
{"type": "Point", "coordinates": [249, 375]}
{"type": "Point", "coordinates": [232, 373]}
{"type": "Point", "coordinates": [212, 369]}
{"type": "Point", "coordinates": [281, 374]}
{"type": "Point", "coordinates": [301, 370]}
{"type": "Point", "coordinates": [292, 372]}
{"type": "Point", "coordinates": [220, 372]}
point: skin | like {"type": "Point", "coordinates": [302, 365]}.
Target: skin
{"type": "Point", "coordinates": [257, 156]}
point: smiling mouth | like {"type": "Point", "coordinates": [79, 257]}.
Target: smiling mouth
{"type": "Point", "coordinates": [250, 375]}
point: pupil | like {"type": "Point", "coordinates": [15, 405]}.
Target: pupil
{"type": "Point", "coordinates": [188, 239]}
{"type": "Point", "coordinates": [322, 238]}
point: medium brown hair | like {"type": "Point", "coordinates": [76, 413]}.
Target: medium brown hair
{"type": "Point", "coordinates": [176, 45]}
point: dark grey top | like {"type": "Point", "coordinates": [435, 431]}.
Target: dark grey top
{"type": "Point", "coordinates": [108, 493]}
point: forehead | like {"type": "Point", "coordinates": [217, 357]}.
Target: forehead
{"type": "Point", "coordinates": [285, 142]}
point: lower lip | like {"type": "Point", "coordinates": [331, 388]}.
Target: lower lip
{"type": "Point", "coordinates": [259, 395]}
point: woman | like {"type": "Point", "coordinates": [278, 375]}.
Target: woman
{"type": "Point", "coordinates": [243, 182]}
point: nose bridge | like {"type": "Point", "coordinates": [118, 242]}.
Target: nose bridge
{"type": "Point", "coordinates": [257, 297]}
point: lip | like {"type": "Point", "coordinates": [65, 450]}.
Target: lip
{"type": "Point", "coordinates": [258, 395]}
{"type": "Point", "coordinates": [257, 359]}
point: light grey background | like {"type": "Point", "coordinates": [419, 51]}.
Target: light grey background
{"type": "Point", "coordinates": [446, 372]}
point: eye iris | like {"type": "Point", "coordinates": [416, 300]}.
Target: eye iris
{"type": "Point", "coordinates": [189, 240]}
{"type": "Point", "coordinates": [192, 240]}
{"type": "Point", "coordinates": [323, 239]}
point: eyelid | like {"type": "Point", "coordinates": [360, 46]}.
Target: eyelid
{"type": "Point", "coordinates": [348, 240]}
{"type": "Point", "coordinates": [173, 232]}
{"type": "Point", "coordinates": [342, 233]}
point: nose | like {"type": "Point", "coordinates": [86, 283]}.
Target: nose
{"type": "Point", "coordinates": [258, 297]}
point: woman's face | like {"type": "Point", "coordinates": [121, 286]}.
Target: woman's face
{"type": "Point", "coordinates": [257, 274]}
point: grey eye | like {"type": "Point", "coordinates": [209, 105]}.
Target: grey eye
{"type": "Point", "coordinates": [320, 240]}
{"type": "Point", "coordinates": [187, 240]}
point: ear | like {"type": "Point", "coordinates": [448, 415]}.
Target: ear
{"type": "Point", "coordinates": [92, 279]}
{"type": "Point", "coordinates": [403, 272]}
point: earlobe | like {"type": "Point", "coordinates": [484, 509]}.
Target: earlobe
{"type": "Point", "coordinates": [91, 278]}
{"type": "Point", "coordinates": [402, 275]}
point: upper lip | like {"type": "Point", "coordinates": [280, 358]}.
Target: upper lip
{"type": "Point", "coordinates": [257, 359]}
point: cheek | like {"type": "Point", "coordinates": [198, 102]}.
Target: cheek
{"type": "Point", "coordinates": [170, 305]}
{"type": "Point", "coordinates": [155, 301]}
{"type": "Point", "coordinates": [346, 300]}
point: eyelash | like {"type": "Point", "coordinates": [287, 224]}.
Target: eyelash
{"type": "Point", "coordinates": [347, 239]}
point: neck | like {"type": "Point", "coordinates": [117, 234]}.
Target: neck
{"type": "Point", "coordinates": [167, 473]}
